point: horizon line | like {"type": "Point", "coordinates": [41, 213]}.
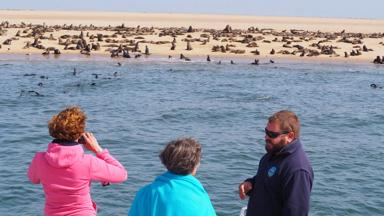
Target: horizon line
{"type": "Point", "coordinates": [191, 13]}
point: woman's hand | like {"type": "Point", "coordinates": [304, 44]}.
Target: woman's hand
{"type": "Point", "coordinates": [91, 143]}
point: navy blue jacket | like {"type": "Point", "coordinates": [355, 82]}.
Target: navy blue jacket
{"type": "Point", "coordinates": [283, 183]}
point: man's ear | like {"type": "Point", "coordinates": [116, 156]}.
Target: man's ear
{"type": "Point", "coordinates": [291, 136]}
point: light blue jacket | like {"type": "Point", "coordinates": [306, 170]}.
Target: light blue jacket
{"type": "Point", "coordinates": [172, 195]}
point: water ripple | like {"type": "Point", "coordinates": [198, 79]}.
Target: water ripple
{"type": "Point", "coordinates": [149, 103]}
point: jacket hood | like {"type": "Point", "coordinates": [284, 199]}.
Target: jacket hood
{"type": "Point", "coordinates": [63, 156]}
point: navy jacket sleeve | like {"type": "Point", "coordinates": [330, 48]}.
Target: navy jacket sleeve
{"type": "Point", "coordinates": [252, 180]}
{"type": "Point", "coordinates": [296, 194]}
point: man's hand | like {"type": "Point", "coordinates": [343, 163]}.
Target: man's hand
{"type": "Point", "coordinates": [244, 188]}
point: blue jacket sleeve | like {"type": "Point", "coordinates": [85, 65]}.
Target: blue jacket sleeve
{"type": "Point", "coordinates": [134, 208]}
{"type": "Point", "coordinates": [296, 194]}
{"type": "Point", "coordinates": [142, 205]}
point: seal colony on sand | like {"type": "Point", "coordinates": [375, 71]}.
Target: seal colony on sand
{"type": "Point", "coordinates": [123, 41]}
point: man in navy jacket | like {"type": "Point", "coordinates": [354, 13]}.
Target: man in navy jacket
{"type": "Point", "coordinates": [283, 183]}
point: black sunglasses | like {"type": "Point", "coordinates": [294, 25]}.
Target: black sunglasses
{"type": "Point", "coordinates": [273, 135]}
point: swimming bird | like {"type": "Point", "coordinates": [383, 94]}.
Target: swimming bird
{"type": "Point", "coordinates": [256, 62]}
{"type": "Point", "coordinates": [373, 85]}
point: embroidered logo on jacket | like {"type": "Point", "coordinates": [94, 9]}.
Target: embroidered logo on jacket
{"type": "Point", "coordinates": [272, 171]}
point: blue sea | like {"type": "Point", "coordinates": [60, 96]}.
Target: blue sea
{"type": "Point", "coordinates": [136, 108]}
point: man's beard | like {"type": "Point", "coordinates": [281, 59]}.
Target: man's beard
{"type": "Point", "coordinates": [271, 148]}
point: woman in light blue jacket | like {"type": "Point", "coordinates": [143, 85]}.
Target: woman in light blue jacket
{"type": "Point", "coordinates": [177, 191]}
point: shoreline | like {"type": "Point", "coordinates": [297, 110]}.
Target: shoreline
{"type": "Point", "coordinates": [161, 58]}
{"type": "Point", "coordinates": [193, 35]}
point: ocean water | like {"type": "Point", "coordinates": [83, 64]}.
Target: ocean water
{"type": "Point", "coordinates": [146, 103]}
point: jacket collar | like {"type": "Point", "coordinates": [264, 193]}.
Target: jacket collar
{"type": "Point", "coordinates": [65, 142]}
{"type": "Point", "coordinates": [288, 149]}
{"type": "Point", "coordinates": [170, 176]}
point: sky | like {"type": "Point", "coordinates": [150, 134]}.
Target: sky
{"type": "Point", "coordinates": [368, 9]}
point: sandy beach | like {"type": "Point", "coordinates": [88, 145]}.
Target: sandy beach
{"type": "Point", "coordinates": [133, 35]}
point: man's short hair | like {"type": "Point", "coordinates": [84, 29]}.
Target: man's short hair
{"type": "Point", "coordinates": [181, 156]}
{"type": "Point", "coordinates": [287, 120]}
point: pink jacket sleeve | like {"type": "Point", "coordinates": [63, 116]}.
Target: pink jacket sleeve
{"type": "Point", "coordinates": [105, 168]}
{"type": "Point", "coordinates": [32, 171]}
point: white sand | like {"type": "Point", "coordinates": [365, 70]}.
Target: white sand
{"type": "Point", "coordinates": [217, 22]}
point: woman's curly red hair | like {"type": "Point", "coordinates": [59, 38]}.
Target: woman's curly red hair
{"type": "Point", "coordinates": [68, 125]}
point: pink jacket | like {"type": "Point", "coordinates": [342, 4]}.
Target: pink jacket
{"type": "Point", "coordinates": [66, 174]}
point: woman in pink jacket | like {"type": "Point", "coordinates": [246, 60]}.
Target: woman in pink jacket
{"type": "Point", "coordinates": [66, 172]}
